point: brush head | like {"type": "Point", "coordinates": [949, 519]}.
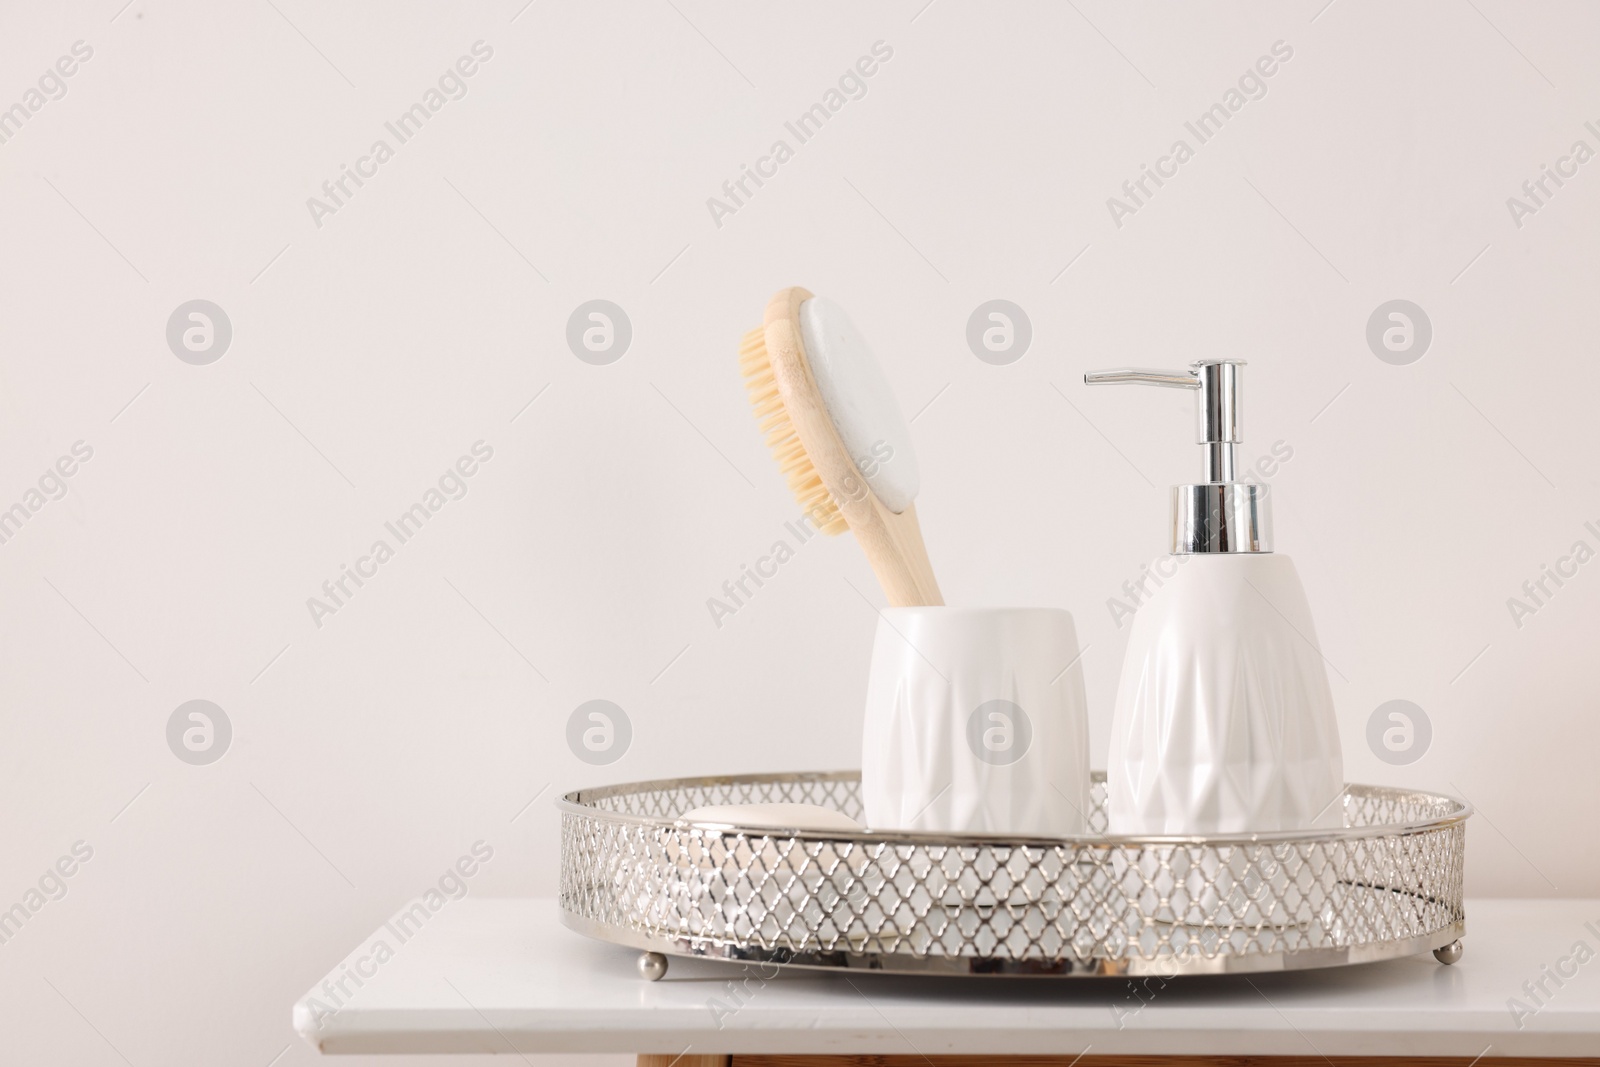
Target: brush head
{"type": "Point", "coordinates": [859, 403]}
{"type": "Point", "coordinates": [836, 432]}
{"type": "Point", "coordinates": [782, 438]}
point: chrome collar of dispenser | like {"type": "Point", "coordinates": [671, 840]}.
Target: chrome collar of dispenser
{"type": "Point", "coordinates": [1220, 514]}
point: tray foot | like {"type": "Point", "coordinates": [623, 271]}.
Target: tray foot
{"type": "Point", "coordinates": [653, 965]}
{"type": "Point", "coordinates": [1449, 953]}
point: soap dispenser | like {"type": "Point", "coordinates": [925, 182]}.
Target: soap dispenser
{"type": "Point", "coordinates": [1224, 721]}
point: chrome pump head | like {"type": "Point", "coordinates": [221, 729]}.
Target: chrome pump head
{"type": "Point", "coordinates": [1219, 514]}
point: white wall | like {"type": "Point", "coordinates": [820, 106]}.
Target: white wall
{"type": "Point", "coordinates": [372, 350]}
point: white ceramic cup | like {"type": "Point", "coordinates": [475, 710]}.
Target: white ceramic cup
{"type": "Point", "coordinates": [976, 723]}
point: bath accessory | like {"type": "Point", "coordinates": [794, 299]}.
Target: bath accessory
{"type": "Point", "coordinates": [1224, 720]}
{"type": "Point", "coordinates": [832, 423]}
{"type": "Point", "coordinates": [1386, 882]}
{"type": "Point", "coordinates": [976, 723]}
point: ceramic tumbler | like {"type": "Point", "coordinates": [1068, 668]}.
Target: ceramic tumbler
{"type": "Point", "coordinates": [976, 723]}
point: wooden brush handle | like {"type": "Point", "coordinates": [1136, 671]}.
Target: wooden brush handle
{"type": "Point", "coordinates": [892, 542]}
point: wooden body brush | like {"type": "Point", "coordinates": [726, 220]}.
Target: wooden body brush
{"type": "Point", "coordinates": [838, 436]}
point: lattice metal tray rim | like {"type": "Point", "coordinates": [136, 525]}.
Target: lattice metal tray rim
{"type": "Point", "coordinates": [1387, 884]}
{"type": "Point", "coordinates": [581, 802]}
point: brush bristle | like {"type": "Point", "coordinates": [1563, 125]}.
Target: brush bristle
{"type": "Point", "coordinates": [804, 481]}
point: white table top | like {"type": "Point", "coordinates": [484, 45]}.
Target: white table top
{"type": "Point", "coordinates": [505, 975]}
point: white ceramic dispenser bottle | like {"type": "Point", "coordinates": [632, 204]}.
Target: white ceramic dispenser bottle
{"type": "Point", "coordinates": [1224, 721]}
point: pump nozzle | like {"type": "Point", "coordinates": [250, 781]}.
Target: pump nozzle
{"type": "Point", "coordinates": [1218, 408]}
{"type": "Point", "coordinates": [1220, 514]}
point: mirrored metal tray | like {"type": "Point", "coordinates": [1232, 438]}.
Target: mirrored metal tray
{"type": "Point", "coordinates": [1387, 883]}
